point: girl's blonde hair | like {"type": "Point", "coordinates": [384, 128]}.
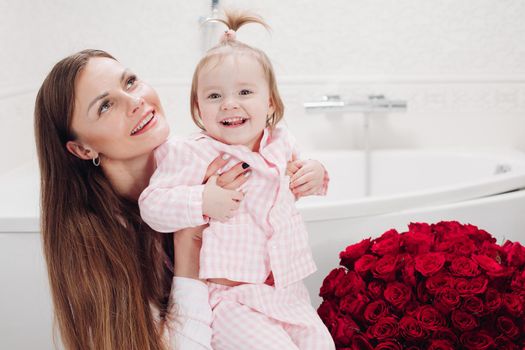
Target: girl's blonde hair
{"type": "Point", "coordinates": [234, 20]}
{"type": "Point", "coordinates": [106, 267]}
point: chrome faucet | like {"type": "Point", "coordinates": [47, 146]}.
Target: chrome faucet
{"type": "Point", "coordinates": [372, 104]}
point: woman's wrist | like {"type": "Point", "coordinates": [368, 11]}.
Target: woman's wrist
{"type": "Point", "coordinates": [187, 246]}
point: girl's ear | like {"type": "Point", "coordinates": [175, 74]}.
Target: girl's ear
{"type": "Point", "coordinates": [78, 150]}
{"type": "Point", "coordinates": [271, 106]}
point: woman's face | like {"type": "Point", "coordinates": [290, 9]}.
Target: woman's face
{"type": "Point", "coordinates": [117, 116]}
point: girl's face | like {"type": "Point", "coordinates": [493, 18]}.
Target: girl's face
{"type": "Point", "coordinates": [234, 100]}
{"type": "Point", "coordinates": [116, 115]}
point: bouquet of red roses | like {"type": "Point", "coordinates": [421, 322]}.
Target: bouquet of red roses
{"type": "Point", "coordinates": [439, 286]}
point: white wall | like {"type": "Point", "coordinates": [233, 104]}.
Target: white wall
{"type": "Point", "coordinates": [460, 64]}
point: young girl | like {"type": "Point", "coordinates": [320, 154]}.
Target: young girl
{"type": "Point", "coordinates": [255, 251]}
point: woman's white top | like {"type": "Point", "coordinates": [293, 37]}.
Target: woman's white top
{"type": "Point", "coordinates": [188, 324]}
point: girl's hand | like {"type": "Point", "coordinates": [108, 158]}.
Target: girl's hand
{"type": "Point", "coordinates": [219, 203]}
{"type": "Point", "coordinates": [306, 177]}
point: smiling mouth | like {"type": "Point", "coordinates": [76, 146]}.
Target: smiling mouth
{"type": "Point", "coordinates": [143, 123]}
{"type": "Point", "coordinates": [233, 121]}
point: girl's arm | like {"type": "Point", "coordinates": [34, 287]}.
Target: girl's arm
{"type": "Point", "coordinates": [176, 199]}
{"type": "Point", "coordinates": [189, 316]}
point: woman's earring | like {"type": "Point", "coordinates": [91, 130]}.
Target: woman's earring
{"type": "Point", "coordinates": [96, 161]}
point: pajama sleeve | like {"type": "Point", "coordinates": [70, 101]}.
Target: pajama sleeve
{"type": "Point", "coordinates": [188, 323]}
{"type": "Point", "coordinates": [173, 198]}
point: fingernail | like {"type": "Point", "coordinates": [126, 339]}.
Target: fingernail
{"type": "Point", "coordinates": [246, 174]}
{"type": "Point", "coordinates": [225, 156]}
{"type": "Point", "coordinates": [245, 165]}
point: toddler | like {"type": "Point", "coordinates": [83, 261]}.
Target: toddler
{"type": "Point", "coordinates": [255, 252]}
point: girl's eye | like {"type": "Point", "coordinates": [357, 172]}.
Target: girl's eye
{"type": "Point", "coordinates": [104, 107]}
{"type": "Point", "coordinates": [245, 92]}
{"type": "Point", "coordinates": [131, 81]}
{"type": "Point", "coordinates": [214, 96]}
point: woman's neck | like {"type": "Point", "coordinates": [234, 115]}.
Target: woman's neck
{"type": "Point", "coordinates": [130, 177]}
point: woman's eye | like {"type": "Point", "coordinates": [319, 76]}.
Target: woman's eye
{"type": "Point", "coordinates": [245, 92]}
{"type": "Point", "coordinates": [131, 81]}
{"type": "Point", "coordinates": [214, 96]}
{"type": "Point", "coordinates": [104, 107]}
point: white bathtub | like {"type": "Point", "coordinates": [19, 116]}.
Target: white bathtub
{"type": "Point", "coordinates": [406, 186]}
{"type": "Point", "coordinates": [485, 189]}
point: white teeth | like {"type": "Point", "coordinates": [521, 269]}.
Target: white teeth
{"type": "Point", "coordinates": [143, 123]}
{"type": "Point", "coordinates": [230, 121]}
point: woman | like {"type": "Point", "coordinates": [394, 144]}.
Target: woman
{"type": "Point", "coordinates": [96, 126]}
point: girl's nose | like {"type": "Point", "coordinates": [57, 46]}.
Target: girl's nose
{"type": "Point", "coordinates": [229, 103]}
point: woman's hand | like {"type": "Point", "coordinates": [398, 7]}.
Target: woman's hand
{"type": "Point", "coordinates": [231, 179]}
{"type": "Point", "coordinates": [306, 177]}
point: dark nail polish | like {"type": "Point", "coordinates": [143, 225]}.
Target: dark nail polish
{"type": "Point", "coordinates": [245, 165]}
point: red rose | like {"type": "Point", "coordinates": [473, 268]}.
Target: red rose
{"type": "Point", "coordinates": [492, 267]}
{"type": "Point", "coordinates": [463, 266]}
{"type": "Point", "coordinates": [480, 236]}
{"type": "Point", "coordinates": [476, 340]}
{"type": "Point", "coordinates": [515, 253]}
{"type": "Point", "coordinates": [493, 300]}
{"type": "Point", "coordinates": [353, 304]}
{"type": "Point", "coordinates": [430, 318]}
{"type": "Point", "coordinates": [351, 283]}
{"type": "Point", "coordinates": [365, 264]}
{"type": "Point", "coordinates": [397, 294]}
{"type": "Point", "coordinates": [440, 344]}
{"type": "Point", "coordinates": [476, 285]}
{"type": "Point", "coordinates": [388, 345]}
{"type": "Point", "coordinates": [354, 252]}
{"type": "Point", "coordinates": [375, 289]}
{"type": "Point", "coordinates": [445, 334]}
{"type": "Point", "coordinates": [358, 342]}
{"type": "Point", "coordinates": [474, 305]}
{"type": "Point", "coordinates": [514, 303]}
{"type": "Point", "coordinates": [506, 326]}
{"type": "Point", "coordinates": [430, 263]}
{"type": "Point", "coordinates": [327, 311]}
{"type": "Point", "coordinates": [464, 321]}
{"type": "Point", "coordinates": [518, 282]}
{"type": "Point", "coordinates": [420, 228]}
{"type": "Point", "coordinates": [504, 343]}
{"type": "Point", "coordinates": [375, 310]}
{"type": "Point", "coordinates": [343, 330]}
{"type": "Point", "coordinates": [385, 268]}
{"type": "Point", "coordinates": [408, 271]}
{"type": "Point", "coordinates": [384, 328]}
{"type": "Point", "coordinates": [447, 299]}
{"type": "Point", "coordinates": [388, 243]}
{"type": "Point", "coordinates": [418, 239]}
{"type": "Point", "coordinates": [411, 329]}
{"type": "Point", "coordinates": [331, 281]}
{"type": "Point", "coordinates": [438, 282]}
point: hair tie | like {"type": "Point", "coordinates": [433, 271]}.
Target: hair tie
{"type": "Point", "coordinates": [229, 35]}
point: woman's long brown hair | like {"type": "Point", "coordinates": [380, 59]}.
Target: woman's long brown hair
{"type": "Point", "coordinates": [106, 267]}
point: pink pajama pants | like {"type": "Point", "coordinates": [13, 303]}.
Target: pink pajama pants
{"type": "Point", "coordinates": [259, 316]}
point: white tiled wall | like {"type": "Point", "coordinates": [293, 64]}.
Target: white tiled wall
{"type": "Point", "coordinates": [459, 64]}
